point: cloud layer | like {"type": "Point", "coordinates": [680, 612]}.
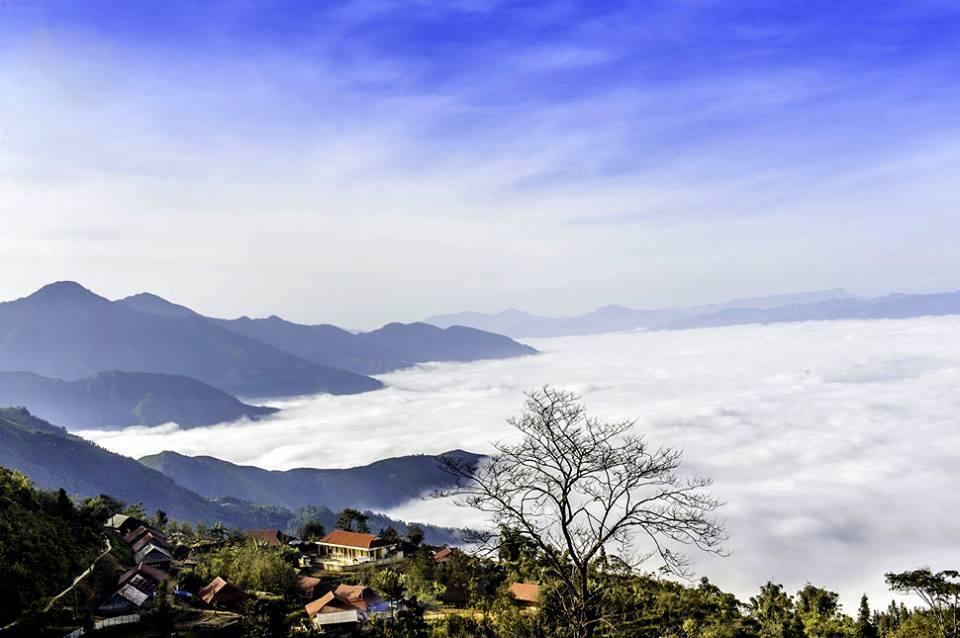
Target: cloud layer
{"type": "Point", "coordinates": [835, 445]}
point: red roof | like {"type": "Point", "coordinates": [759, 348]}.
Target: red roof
{"type": "Point", "coordinates": [136, 534]}
{"type": "Point", "coordinates": [220, 591]}
{"type": "Point", "coordinates": [442, 554]}
{"type": "Point", "coordinates": [327, 603]}
{"type": "Point", "coordinates": [353, 539]}
{"type": "Point", "coordinates": [358, 596]}
{"type": "Point", "coordinates": [344, 598]}
{"type": "Point", "coordinates": [525, 592]}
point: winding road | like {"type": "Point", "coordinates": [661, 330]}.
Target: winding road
{"type": "Point", "coordinates": [106, 550]}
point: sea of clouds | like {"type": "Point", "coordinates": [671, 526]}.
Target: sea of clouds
{"type": "Point", "coordinates": [835, 445]}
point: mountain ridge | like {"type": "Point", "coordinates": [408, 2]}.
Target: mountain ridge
{"type": "Point", "coordinates": [893, 306]}
{"type": "Point", "coordinates": [114, 398]}
{"type": "Point", "coordinates": [613, 317]}
{"type": "Point", "coordinates": [52, 458]}
{"type": "Point", "coordinates": [391, 347]}
{"type": "Point", "coordinates": [68, 332]}
{"type": "Point", "coordinates": [380, 485]}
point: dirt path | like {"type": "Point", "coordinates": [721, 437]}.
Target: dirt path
{"type": "Point", "coordinates": [76, 580]}
{"type": "Point", "coordinates": [66, 591]}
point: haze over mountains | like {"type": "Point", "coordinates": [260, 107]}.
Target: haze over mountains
{"type": "Point", "coordinates": [386, 349]}
{"type": "Point", "coordinates": [68, 333]}
{"type": "Point", "coordinates": [896, 306]}
{"type": "Point", "coordinates": [119, 399]}
{"type": "Point", "coordinates": [823, 305]}
{"type": "Point", "coordinates": [517, 323]}
{"type": "Point", "coordinates": [52, 458]}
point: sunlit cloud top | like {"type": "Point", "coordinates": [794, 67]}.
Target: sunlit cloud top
{"type": "Point", "coordinates": [367, 161]}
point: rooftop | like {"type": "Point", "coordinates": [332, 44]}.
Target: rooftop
{"type": "Point", "coordinates": [353, 539]}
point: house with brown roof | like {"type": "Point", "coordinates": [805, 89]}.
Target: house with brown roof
{"type": "Point", "coordinates": [347, 604]}
{"type": "Point", "coordinates": [123, 523]}
{"type": "Point", "coordinates": [442, 555]}
{"type": "Point", "coordinates": [136, 586]}
{"type": "Point", "coordinates": [135, 535]}
{"type": "Point", "coordinates": [147, 539]}
{"type": "Point", "coordinates": [154, 555]}
{"type": "Point", "coordinates": [311, 588]}
{"type": "Point", "coordinates": [272, 537]}
{"type": "Point", "coordinates": [527, 594]}
{"type": "Point", "coordinates": [341, 549]}
{"type": "Point", "coordinates": [219, 593]}
{"type": "Point", "coordinates": [145, 572]}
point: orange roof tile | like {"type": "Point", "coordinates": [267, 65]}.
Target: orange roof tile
{"type": "Point", "coordinates": [525, 592]}
{"type": "Point", "coordinates": [353, 539]}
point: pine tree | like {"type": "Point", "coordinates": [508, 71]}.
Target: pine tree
{"type": "Point", "coordinates": [865, 626]}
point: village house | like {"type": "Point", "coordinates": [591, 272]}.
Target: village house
{"type": "Point", "coordinates": [123, 523]}
{"type": "Point", "coordinates": [149, 546]}
{"type": "Point", "coordinates": [141, 531]}
{"type": "Point", "coordinates": [347, 604]}
{"type": "Point", "coordinates": [310, 588]}
{"type": "Point", "coordinates": [136, 586]}
{"type": "Point", "coordinates": [341, 550]}
{"type": "Point", "coordinates": [148, 539]}
{"type": "Point", "coordinates": [442, 555]}
{"type": "Point", "coordinates": [525, 594]}
{"type": "Point", "coordinates": [272, 537]}
{"type": "Point", "coordinates": [154, 555]}
{"type": "Point", "coordinates": [220, 594]}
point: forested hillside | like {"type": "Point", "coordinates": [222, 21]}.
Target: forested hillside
{"type": "Point", "coordinates": [44, 542]}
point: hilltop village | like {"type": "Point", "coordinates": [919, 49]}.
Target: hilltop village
{"type": "Point", "coordinates": [338, 579]}
{"type": "Point", "coordinates": [153, 576]}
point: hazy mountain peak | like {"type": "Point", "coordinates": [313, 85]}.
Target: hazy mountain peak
{"type": "Point", "coordinates": [155, 304]}
{"type": "Point", "coordinates": [69, 291]}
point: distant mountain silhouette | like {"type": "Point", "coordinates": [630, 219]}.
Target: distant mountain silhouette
{"type": "Point", "coordinates": [517, 323]}
{"type": "Point", "coordinates": [67, 332]}
{"type": "Point", "coordinates": [53, 459]}
{"type": "Point", "coordinates": [381, 485]}
{"type": "Point", "coordinates": [119, 399]}
{"type": "Point", "coordinates": [153, 304]}
{"type": "Point", "coordinates": [389, 348]}
{"type": "Point", "coordinates": [897, 306]}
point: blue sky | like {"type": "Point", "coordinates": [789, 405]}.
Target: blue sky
{"type": "Point", "coordinates": [368, 161]}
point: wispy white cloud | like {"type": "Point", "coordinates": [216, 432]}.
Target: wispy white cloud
{"type": "Point", "coordinates": [350, 154]}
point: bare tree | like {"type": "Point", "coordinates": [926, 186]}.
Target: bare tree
{"type": "Point", "coordinates": [580, 489]}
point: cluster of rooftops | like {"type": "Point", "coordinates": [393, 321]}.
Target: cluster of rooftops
{"type": "Point", "coordinates": [340, 550]}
